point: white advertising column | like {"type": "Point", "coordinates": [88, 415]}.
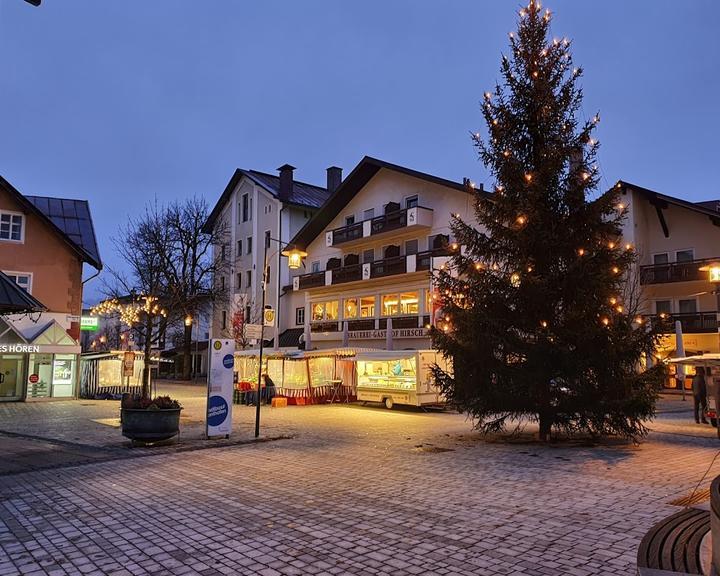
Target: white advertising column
{"type": "Point", "coordinates": [220, 388]}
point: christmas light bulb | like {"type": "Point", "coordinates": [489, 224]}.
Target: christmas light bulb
{"type": "Point", "coordinates": [521, 220]}
{"type": "Point", "coordinates": [581, 251]}
{"type": "Point", "coordinates": [605, 321]}
{"type": "Point", "coordinates": [615, 270]}
{"type": "Point", "coordinates": [543, 324]}
{"type": "Point", "coordinates": [611, 245]}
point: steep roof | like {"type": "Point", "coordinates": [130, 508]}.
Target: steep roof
{"type": "Point", "coordinates": [14, 300]}
{"type": "Point", "coordinates": [660, 201]}
{"type": "Point", "coordinates": [355, 181]}
{"type": "Point", "coordinates": [302, 194]}
{"type": "Point", "coordinates": [69, 218]}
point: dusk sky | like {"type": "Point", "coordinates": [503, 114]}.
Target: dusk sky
{"type": "Point", "coordinates": [118, 101]}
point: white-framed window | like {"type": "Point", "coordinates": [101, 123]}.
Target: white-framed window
{"type": "Point", "coordinates": [663, 306]}
{"type": "Point", "coordinates": [688, 306]}
{"type": "Point", "coordinates": [661, 258]}
{"type": "Point", "coordinates": [300, 316]}
{"type": "Point", "coordinates": [22, 279]}
{"type": "Point", "coordinates": [687, 255]}
{"type": "Point", "coordinates": [411, 201]}
{"type": "Point", "coordinates": [12, 226]}
{"type": "Point", "coordinates": [315, 266]}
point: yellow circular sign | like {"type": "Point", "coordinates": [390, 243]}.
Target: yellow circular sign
{"type": "Point", "coordinates": [217, 345]}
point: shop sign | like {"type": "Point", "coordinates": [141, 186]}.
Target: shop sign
{"type": "Point", "coordinates": [253, 331]}
{"type": "Point", "coordinates": [397, 333]}
{"type": "Point", "coordinates": [128, 363]}
{"type": "Point", "coordinates": [33, 378]}
{"type": "Point", "coordinates": [220, 388]}
{"type": "Point", "coordinates": [19, 348]}
{"type": "Point", "coordinates": [89, 323]}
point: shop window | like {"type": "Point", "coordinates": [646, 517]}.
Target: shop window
{"type": "Point", "coordinates": [11, 226]}
{"type": "Point", "coordinates": [318, 311]}
{"type": "Point", "coordinates": [64, 370]}
{"type": "Point", "coordinates": [684, 256]}
{"type": "Point", "coordinates": [409, 303]}
{"type": "Point", "coordinates": [331, 310]}
{"type": "Point", "coordinates": [399, 374]}
{"type": "Point", "coordinates": [390, 305]}
{"type": "Point", "coordinates": [367, 307]}
{"type": "Point", "coordinates": [11, 376]}
{"type": "Point", "coordinates": [350, 309]}
{"type": "Point", "coordinates": [325, 311]}
{"type": "Point", "coordinates": [21, 279]}
{"type": "Point", "coordinates": [688, 306]}
{"type": "Point", "coordinates": [300, 316]}
{"type": "Point", "coordinates": [411, 201]}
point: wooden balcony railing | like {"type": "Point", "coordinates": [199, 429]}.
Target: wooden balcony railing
{"type": "Point", "coordinates": [674, 272]}
{"type": "Point", "coordinates": [692, 323]}
{"type": "Point", "coordinates": [312, 280]}
{"type": "Point", "coordinates": [347, 233]}
{"type": "Point", "coordinates": [388, 267]}
{"type": "Point", "coordinates": [347, 274]}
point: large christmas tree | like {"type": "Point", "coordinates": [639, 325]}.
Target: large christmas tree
{"type": "Point", "coordinates": [539, 313]}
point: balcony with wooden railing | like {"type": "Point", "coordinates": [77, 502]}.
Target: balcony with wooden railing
{"type": "Point", "coordinates": [390, 222]}
{"type": "Point", "coordinates": [674, 272]}
{"type": "Point", "coordinates": [692, 322]}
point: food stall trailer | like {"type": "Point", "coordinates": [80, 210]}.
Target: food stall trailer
{"type": "Point", "coordinates": [399, 377]}
{"type": "Point", "coordinates": [712, 382]}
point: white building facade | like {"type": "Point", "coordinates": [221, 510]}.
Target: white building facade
{"type": "Point", "coordinates": [258, 209]}
{"type": "Point", "coordinates": [371, 250]}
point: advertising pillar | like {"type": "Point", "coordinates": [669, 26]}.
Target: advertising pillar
{"type": "Point", "coordinates": [220, 388]}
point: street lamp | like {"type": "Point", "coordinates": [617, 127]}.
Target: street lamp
{"type": "Point", "coordinates": [188, 320]}
{"type": "Point", "coordinates": [294, 256]}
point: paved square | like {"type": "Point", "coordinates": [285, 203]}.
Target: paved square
{"type": "Point", "coordinates": [355, 491]}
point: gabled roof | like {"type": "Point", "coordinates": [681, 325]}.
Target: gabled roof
{"type": "Point", "coordinates": [14, 300]}
{"type": "Point", "coordinates": [303, 194]}
{"type": "Point", "coordinates": [661, 201]}
{"type": "Point", "coordinates": [355, 181]}
{"type": "Point", "coordinates": [69, 218]}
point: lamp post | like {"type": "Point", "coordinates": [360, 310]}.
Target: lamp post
{"type": "Point", "coordinates": [713, 270]}
{"type": "Point", "coordinates": [295, 257]}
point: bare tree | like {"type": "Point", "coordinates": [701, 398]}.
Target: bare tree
{"type": "Point", "coordinates": [243, 314]}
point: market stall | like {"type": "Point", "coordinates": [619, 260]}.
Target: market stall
{"type": "Point", "coordinates": [398, 377]}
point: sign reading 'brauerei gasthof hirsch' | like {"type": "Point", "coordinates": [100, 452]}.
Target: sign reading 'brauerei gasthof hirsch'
{"type": "Point", "coordinates": [399, 333]}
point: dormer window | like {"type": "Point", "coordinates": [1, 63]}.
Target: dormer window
{"type": "Point", "coordinates": [12, 226]}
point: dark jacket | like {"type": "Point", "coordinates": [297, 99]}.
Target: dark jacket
{"type": "Point", "coordinates": [698, 386]}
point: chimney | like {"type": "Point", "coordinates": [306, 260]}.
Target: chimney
{"type": "Point", "coordinates": [286, 182]}
{"type": "Point", "coordinates": [334, 178]}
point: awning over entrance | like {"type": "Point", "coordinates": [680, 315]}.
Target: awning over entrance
{"type": "Point", "coordinates": [21, 334]}
{"type": "Point", "coordinates": [14, 300]}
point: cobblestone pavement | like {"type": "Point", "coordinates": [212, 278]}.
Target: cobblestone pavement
{"type": "Point", "coordinates": [355, 491]}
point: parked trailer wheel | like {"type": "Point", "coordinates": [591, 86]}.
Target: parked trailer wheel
{"type": "Point", "coordinates": [389, 402]}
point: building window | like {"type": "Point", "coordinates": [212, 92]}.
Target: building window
{"type": "Point", "coordinates": [367, 307]}
{"type": "Point", "coordinates": [411, 201]}
{"type": "Point", "coordinates": [248, 315]}
{"type": "Point", "coordinates": [684, 255]}
{"type": "Point", "coordinates": [688, 306]}
{"type": "Point", "coordinates": [350, 220]}
{"type": "Point", "coordinates": [22, 279]}
{"type": "Point", "coordinates": [11, 226]}
{"type": "Point", "coordinates": [369, 255]}
{"type": "Point", "coordinates": [239, 248]}
{"type": "Point", "coordinates": [248, 278]}
{"type": "Point", "coordinates": [300, 316]}
{"type": "Point", "coordinates": [245, 207]}
{"type": "Point", "coordinates": [238, 280]}
{"type": "Point", "coordinates": [369, 214]}
{"type": "Point", "coordinates": [248, 243]}
{"type": "Point", "coordinates": [325, 311]}
{"type": "Point", "coordinates": [222, 282]}
{"type": "Point", "coordinates": [660, 259]}
{"type": "Point", "coordinates": [350, 308]}
{"type": "Point", "coordinates": [267, 238]}
{"type": "Point", "coordinates": [409, 303]}
{"type": "Point", "coordinates": [390, 305]}
{"type": "Point", "coordinates": [663, 306]}
{"type": "Point", "coordinates": [411, 246]}
{"type": "Point", "coordinates": [223, 320]}
{"type": "Point", "coordinates": [223, 252]}
{"type": "Point", "coordinates": [250, 210]}
{"type": "Point", "coordinates": [315, 266]}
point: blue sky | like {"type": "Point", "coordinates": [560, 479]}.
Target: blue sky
{"type": "Point", "coordinates": [120, 101]}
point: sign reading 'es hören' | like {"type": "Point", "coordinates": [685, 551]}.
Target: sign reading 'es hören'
{"type": "Point", "coordinates": [19, 348]}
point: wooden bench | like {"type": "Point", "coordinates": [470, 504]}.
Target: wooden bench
{"type": "Point", "coordinates": [672, 546]}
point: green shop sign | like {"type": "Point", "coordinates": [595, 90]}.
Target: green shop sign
{"type": "Point", "coordinates": [89, 323]}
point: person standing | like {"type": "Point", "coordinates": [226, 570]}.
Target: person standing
{"type": "Point", "coordinates": [699, 389]}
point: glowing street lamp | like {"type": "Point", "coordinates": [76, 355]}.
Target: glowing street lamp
{"type": "Point", "coordinates": [295, 257]}
{"type": "Point", "coordinates": [188, 320]}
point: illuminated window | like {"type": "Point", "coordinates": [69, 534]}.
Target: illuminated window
{"type": "Point", "coordinates": [367, 307]}
{"type": "Point", "coordinates": [350, 310]}
{"type": "Point", "coordinates": [324, 310]}
{"type": "Point", "coordinates": [331, 310]}
{"type": "Point", "coordinates": [409, 303]}
{"type": "Point", "coordinates": [318, 311]}
{"type": "Point", "coordinates": [390, 304]}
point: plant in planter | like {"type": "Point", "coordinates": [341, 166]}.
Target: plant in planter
{"type": "Point", "coordinates": [150, 419]}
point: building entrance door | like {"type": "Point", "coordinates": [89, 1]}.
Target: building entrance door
{"type": "Point", "coordinates": [11, 377]}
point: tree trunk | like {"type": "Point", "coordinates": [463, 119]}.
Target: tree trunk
{"type": "Point", "coordinates": [545, 426]}
{"type": "Point", "coordinates": [187, 353]}
{"type": "Point", "coordinates": [146, 360]}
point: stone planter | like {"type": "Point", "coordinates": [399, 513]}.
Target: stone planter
{"type": "Point", "coordinates": [150, 425]}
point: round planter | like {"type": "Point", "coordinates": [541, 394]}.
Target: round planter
{"type": "Point", "coordinates": [150, 425]}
